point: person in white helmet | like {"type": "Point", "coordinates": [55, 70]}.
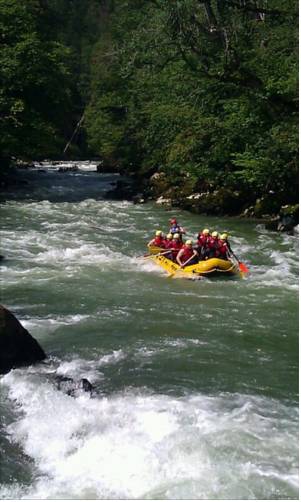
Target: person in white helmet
{"type": "Point", "coordinates": [213, 244]}
{"type": "Point", "coordinates": [187, 255]}
{"type": "Point", "coordinates": [176, 246]}
{"type": "Point", "coordinates": [222, 250]}
{"type": "Point", "coordinates": [202, 243]}
{"type": "Point", "coordinates": [158, 240]}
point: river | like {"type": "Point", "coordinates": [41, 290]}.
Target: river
{"type": "Point", "coordinates": [196, 382]}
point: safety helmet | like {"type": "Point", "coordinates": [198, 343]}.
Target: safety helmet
{"type": "Point", "coordinates": [176, 236]}
{"type": "Point", "coordinates": [214, 234]}
{"type": "Point", "coordinates": [169, 236]}
{"type": "Point", "coordinates": [188, 243]}
{"type": "Point", "coordinates": [223, 237]}
{"type": "Point", "coordinates": [206, 231]}
{"type": "Point", "coordinates": [173, 220]}
{"type": "Point", "coordinates": [158, 232]}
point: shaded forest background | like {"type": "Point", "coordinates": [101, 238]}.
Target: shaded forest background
{"type": "Point", "coordinates": [203, 92]}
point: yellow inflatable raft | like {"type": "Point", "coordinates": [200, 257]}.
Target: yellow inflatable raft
{"type": "Point", "coordinates": [203, 268]}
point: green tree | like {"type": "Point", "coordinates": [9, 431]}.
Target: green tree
{"type": "Point", "coordinates": [36, 85]}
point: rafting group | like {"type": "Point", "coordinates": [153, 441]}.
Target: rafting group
{"type": "Point", "coordinates": [210, 253]}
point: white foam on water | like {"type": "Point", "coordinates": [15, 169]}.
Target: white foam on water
{"type": "Point", "coordinates": [83, 254]}
{"type": "Point", "coordinates": [87, 368]}
{"type": "Point", "coordinates": [50, 324]}
{"type": "Point", "coordinates": [281, 274]}
{"type": "Point", "coordinates": [281, 269]}
{"type": "Point", "coordinates": [165, 345]}
{"type": "Point", "coordinates": [79, 368]}
{"type": "Point", "coordinates": [115, 356]}
{"type": "Point", "coordinates": [135, 444]}
{"type": "Point", "coordinates": [146, 265]}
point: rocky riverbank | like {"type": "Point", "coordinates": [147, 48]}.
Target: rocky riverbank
{"type": "Point", "coordinates": [272, 209]}
{"type": "Point", "coordinates": [277, 210]}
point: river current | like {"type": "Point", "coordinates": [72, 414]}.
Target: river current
{"type": "Point", "coordinates": [196, 382]}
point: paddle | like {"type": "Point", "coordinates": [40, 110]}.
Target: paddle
{"type": "Point", "coordinates": [150, 255]}
{"type": "Point", "coordinates": [242, 267]}
{"type": "Point", "coordinates": [180, 269]}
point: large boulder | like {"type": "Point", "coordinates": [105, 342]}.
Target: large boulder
{"type": "Point", "coordinates": [17, 346]}
{"type": "Point", "coordinates": [286, 220]}
{"type": "Point", "coordinates": [123, 190]}
{"type": "Point", "coordinates": [159, 184]}
{"type": "Point", "coordinates": [219, 202]}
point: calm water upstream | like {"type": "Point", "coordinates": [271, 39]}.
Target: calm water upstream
{"type": "Point", "coordinates": [196, 382]}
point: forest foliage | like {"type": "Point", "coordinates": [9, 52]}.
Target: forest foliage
{"type": "Point", "coordinates": [203, 90]}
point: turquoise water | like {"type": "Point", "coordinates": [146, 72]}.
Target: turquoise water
{"type": "Point", "coordinates": [196, 382]}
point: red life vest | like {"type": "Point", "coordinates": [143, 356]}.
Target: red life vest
{"type": "Point", "coordinates": [158, 241]}
{"type": "Point", "coordinates": [169, 244]}
{"type": "Point", "coordinates": [222, 250]}
{"type": "Point", "coordinates": [212, 243]}
{"type": "Point", "coordinates": [203, 240]}
{"type": "Point", "coordinates": [176, 245]}
{"type": "Point", "coordinates": [188, 252]}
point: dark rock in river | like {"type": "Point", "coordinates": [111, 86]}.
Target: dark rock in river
{"type": "Point", "coordinates": [286, 220]}
{"type": "Point", "coordinates": [21, 164]}
{"type": "Point", "coordinates": [107, 167]}
{"type": "Point", "coordinates": [138, 199]}
{"type": "Point", "coordinates": [124, 189]}
{"type": "Point", "coordinates": [17, 346]}
{"type": "Point", "coordinates": [68, 168]}
{"type": "Point", "coordinates": [72, 387]}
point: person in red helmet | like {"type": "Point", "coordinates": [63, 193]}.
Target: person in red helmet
{"type": "Point", "coordinates": [187, 255]}
{"type": "Point", "coordinates": [158, 240]}
{"type": "Point", "coordinates": [175, 228]}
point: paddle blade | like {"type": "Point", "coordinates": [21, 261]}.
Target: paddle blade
{"type": "Point", "coordinates": [243, 268]}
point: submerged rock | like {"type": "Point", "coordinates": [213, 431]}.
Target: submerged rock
{"type": "Point", "coordinates": [68, 168]}
{"type": "Point", "coordinates": [17, 346]}
{"type": "Point", "coordinates": [72, 387]}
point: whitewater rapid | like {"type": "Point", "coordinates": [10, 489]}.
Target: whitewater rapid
{"type": "Point", "coordinates": [195, 383]}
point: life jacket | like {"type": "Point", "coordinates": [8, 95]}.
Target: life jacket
{"type": "Point", "coordinates": [222, 250]}
{"type": "Point", "coordinates": [176, 245]}
{"type": "Point", "coordinates": [169, 244]}
{"type": "Point", "coordinates": [203, 240]}
{"type": "Point", "coordinates": [158, 241]}
{"type": "Point", "coordinates": [212, 243]}
{"type": "Point", "coordinates": [175, 229]}
{"type": "Point", "coordinates": [188, 252]}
